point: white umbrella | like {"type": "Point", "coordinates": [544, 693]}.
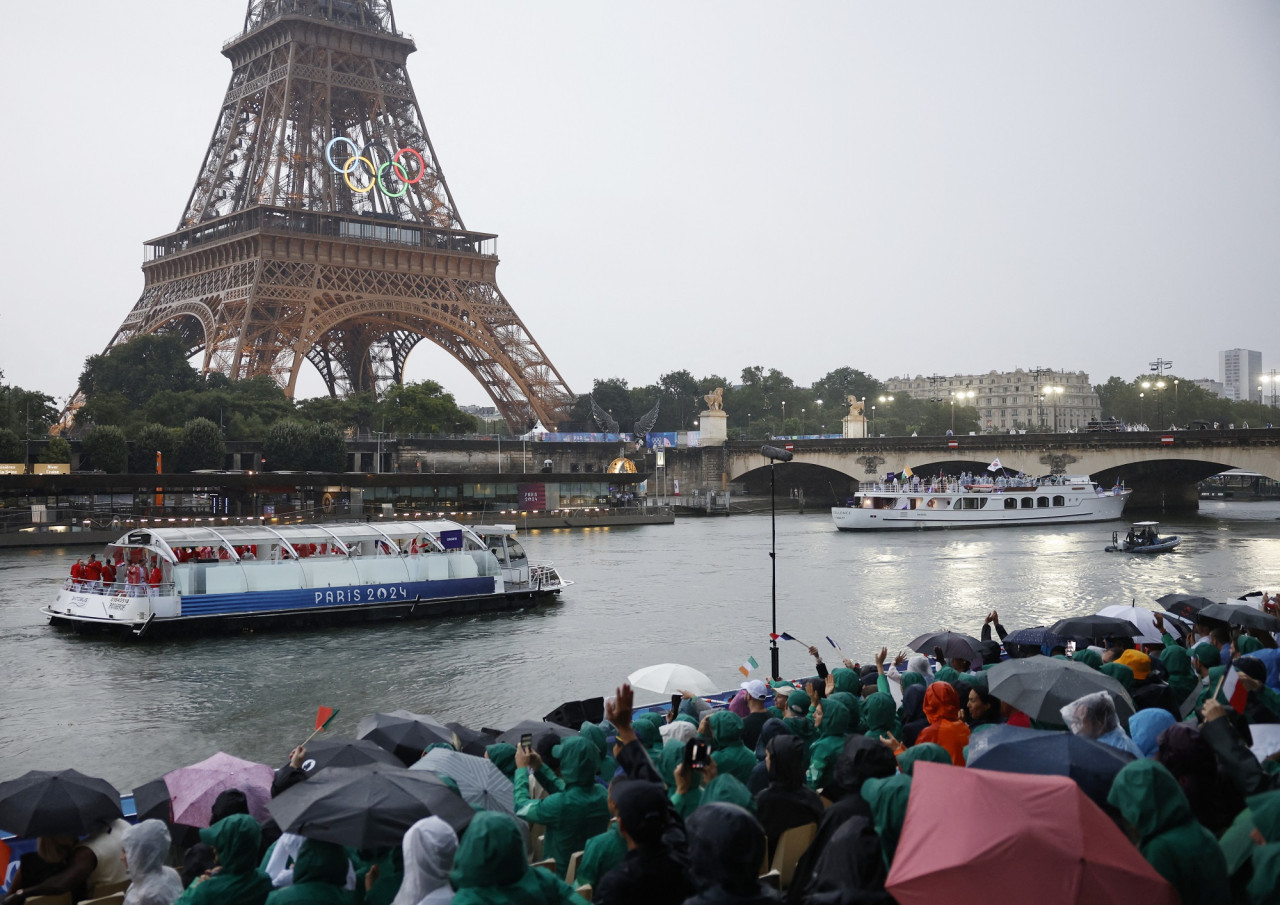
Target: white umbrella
{"type": "Point", "coordinates": [670, 678]}
{"type": "Point", "coordinates": [1144, 619]}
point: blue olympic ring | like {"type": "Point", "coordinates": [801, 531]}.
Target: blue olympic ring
{"type": "Point", "coordinates": [376, 174]}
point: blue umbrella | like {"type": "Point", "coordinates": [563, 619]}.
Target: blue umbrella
{"type": "Point", "coordinates": [1091, 764]}
{"type": "Point", "coordinates": [1034, 637]}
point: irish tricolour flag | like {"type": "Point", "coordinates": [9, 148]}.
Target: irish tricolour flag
{"type": "Point", "coordinates": [749, 667]}
{"type": "Point", "coordinates": [1233, 692]}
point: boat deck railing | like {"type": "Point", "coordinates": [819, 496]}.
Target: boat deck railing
{"type": "Point", "coordinates": [119, 588]}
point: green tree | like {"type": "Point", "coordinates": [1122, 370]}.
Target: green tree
{"type": "Point", "coordinates": [201, 446]}
{"type": "Point", "coordinates": [150, 439]}
{"type": "Point", "coordinates": [26, 412]}
{"type": "Point", "coordinates": [328, 451]}
{"type": "Point", "coordinates": [357, 412]}
{"type": "Point", "coordinates": [298, 446]}
{"type": "Point", "coordinates": [57, 452]}
{"type": "Point", "coordinates": [132, 373]}
{"type": "Point", "coordinates": [12, 448]}
{"type": "Point", "coordinates": [423, 408]}
{"type": "Point", "coordinates": [106, 449]}
{"type": "Point", "coordinates": [837, 386]}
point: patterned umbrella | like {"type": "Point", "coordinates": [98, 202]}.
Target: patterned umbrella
{"type": "Point", "coordinates": [193, 789]}
{"type": "Point", "coordinates": [481, 783]}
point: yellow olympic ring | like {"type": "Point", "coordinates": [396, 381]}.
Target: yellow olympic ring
{"type": "Point", "coordinates": [346, 175]}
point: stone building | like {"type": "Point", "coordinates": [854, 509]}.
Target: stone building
{"type": "Point", "coordinates": [1008, 400]}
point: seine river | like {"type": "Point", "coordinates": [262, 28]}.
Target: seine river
{"type": "Point", "coordinates": [696, 592]}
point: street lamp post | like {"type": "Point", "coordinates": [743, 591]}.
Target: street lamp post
{"type": "Point", "coordinates": [873, 421]}
{"type": "Point", "coordinates": [748, 435]}
{"type": "Point", "coordinates": [883, 401]}
{"type": "Point", "coordinates": [1141, 397]}
{"type": "Point", "coordinates": [1271, 378]}
{"type": "Point", "coordinates": [1175, 401]}
{"type": "Point", "coordinates": [783, 427]}
{"type": "Point", "coordinates": [802, 422]}
{"type": "Point", "coordinates": [818, 403]}
{"type": "Point", "coordinates": [1262, 412]}
{"type": "Point", "coordinates": [1160, 385]}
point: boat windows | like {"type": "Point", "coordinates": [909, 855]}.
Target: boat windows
{"type": "Point", "coordinates": [1059, 501]}
{"type": "Point", "coordinates": [1042, 502]}
{"type": "Point", "coordinates": [514, 551]}
{"type": "Point", "coordinates": [1028, 503]}
{"type": "Point", "coordinates": [1010, 503]}
{"type": "Point", "coordinates": [971, 503]}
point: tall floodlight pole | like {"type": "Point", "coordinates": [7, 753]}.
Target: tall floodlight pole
{"type": "Point", "coordinates": [774, 455]}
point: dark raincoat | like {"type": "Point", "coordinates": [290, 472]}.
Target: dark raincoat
{"type": "Point", "coordinates": [1169, 837]}
{"type": "Point", "coordinates": [239, 882]}
{"type": "Point", "coordinates": [574, 815]}
{"type": "Point", "coordinates": [726, 846]}
{"type": "Point", "coordinates": [888, 801]}
{"type": "Point", "coordinates": [1215, 801]}
{"type": "Point", "coordinates": [911, 714]}
{"type": "Point", "coordinates": [786, 802]}
{"type": "Point", "coordinates": [319, 875]}
{"type": "Point", "coordinates": [727, 750]}
{"type": "Point", "coordinates": [491, 868]}
{"type": "Point", "coordinates": [837, 722]}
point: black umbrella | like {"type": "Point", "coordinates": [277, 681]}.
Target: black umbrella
{"type": "Point", "coordinates": [1037, 636]}
{"type": "Point", "coordinates": [152, 802]}
{"type": "Point", "coordinates": [534, 728]}
{"type": "Point", "coordinates": [404, 734]}
{"type": "Point", "coordinates": [471, 741]}
{"type": "Point", "coordinates": [1092, 765]}
{"type": "Point", "coordinates": [1095, 627]}
{"type": "Point", "coordinates": [1185, 605]}
{"type": "Point", "coordinates": [49, 802]}
{"type": "Point", "coordinates": [367, 807]}
{"type": "Point", "coordinates": [954, 645]}
{"type": "Point", "coordinates": [1242, 615]}
{"type": "Point", "coordinates": [1041, 686]}
{"type": "Point", "coordinates": [336, 751]}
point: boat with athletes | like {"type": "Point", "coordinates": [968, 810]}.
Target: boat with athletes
{"type": "Point", "coordinates": [1143, 537]}
{"type": "Point", "coordinates": [949, 502]}
{"type": "Point", "coordinates": [201, 579]}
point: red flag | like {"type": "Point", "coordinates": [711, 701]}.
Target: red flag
{"type": "Point", "coordinates": [774, 636]}
{"type": "Point", "coordinates": [324, 716]}
{"type": "Point", "coordinates": [1233, 691]}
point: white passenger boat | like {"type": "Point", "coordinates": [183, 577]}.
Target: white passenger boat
{"type": "Point", "coordinates": [945, 502]}
{"type": "Point", "coordinates": [205, 578]}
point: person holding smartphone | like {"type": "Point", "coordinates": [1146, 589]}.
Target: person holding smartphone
{"type": "Point", "coordinates": [573, 814]}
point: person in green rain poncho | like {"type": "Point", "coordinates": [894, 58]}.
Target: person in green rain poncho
{"type": "Point", "coordinates": [724, 729]}
{"type": "Point", "coordinates": [797, 721]}
{"type": "Point", "coordinates": [595, 735]}
{"type": "Point", "coordinates": [1185, 853]}
{"type": "Point", "coordinates": [235, 841]}
{"type": "Point", "coordinates": [648, 730]}
{"type": "Point", "coordinates": [502, 756]}
{"type": "Point", "coordinates": [491, 868]}
{"type": "Point", "coordinates": [833, 721]}
{"type": "Point", "coordinates": [880, 716]}
{"type": "Point", "coordinates": [319, 877]}
{"type": "Point", "coordinates": [573, 815]}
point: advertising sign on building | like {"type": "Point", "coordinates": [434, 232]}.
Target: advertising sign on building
{"type": "Point", "coordinates": [532, 496]}
{"type": "Point", "coordinates": [661, 440]}
{"type": "Point", "coordinates": [12, 468]}
{"type": "Point", "coordinates": [51, 468]}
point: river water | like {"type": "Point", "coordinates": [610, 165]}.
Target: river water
{"type": "Point", "coordinates": [696, 592]}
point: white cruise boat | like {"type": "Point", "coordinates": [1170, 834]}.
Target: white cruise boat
{"type": "Point", "coordinates": [192, 580]}
{"type": "Point", "coordinates": [945, 502]}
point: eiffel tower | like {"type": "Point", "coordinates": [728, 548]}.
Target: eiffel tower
{"type": "Point", "coordinates": [321, 227]}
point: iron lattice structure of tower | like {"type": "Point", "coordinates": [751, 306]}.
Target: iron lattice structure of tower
{"type": "Point", "coordinates": [321, 226]}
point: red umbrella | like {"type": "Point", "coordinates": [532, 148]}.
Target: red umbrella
{"type": "Point", "coordinates": [1040, 835]}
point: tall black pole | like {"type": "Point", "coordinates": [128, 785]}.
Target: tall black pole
{"type": "Point", "coordinates": [773, 559]}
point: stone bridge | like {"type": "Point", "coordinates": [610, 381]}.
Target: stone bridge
{"type": "Point", "coordinates": [1162, 468]}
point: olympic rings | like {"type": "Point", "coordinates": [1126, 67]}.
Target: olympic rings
{"type": "Point", "coordinates": [376, 174]}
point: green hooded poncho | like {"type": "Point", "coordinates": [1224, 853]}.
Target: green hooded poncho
{"type": "Point", "coordinates": [602, 854]}
{"type": "Point", "coordinates": [571, 816]}
{"type": "Point", "coordinates": [1186, 854]}
{"type": "Point", "coordinates": [946, 674]}
{"type": "Point", "coordinates": [847, 680]}
{"type": "Point", "coordinates": [797, 720]}
{"type": "Point", "coordinates": [887, 798]}
{"type": "Point", "coordinates": [595, 735]}
{"type": "Point", "coordinates": [1090, 658]}
{"type": "Point", "coordinates": [672, 756]}
{"type": "Point", "coordinates": [390, 864]}
{"type": "Point", "coordinates": [880, 716]}
{"type": "Point", "coordinates": [1247, 644]}
{"type": "Point", "coordinates": [319, 875]}
{"type": "Point", "coordinates": [1119, 672]}
{"type": "Point", "coordinates": [727, 750]}
{"type": "Point", "coordinates": [503, 756]}
{"type": "Point", "coordinates": [728, 789]}
{"type": "Point", "coordinates": [851, 704]}
{"type": "Point", "coordinates": [836, 723]}
{"type": "Point", "coordinates": [927, 751]}
{"type": "Point", "coordinates": [650, 735]}
{"type": "Point", "coordinates": [490, 868]}
{"type": "Point", "coordinates": [235, 839]}
{"type": "Point", "coordinates": [1182, 679]}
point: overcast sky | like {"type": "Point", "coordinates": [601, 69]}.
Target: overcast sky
{"type": "Point", "coordinates": [898, 187]}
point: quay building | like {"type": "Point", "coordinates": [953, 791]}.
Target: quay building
{"type": "Point", "coordinates": [1038, 399]}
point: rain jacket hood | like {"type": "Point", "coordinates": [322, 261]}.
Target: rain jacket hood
{"type": "Point", "coordinates": [320, 862]}
{"type": "Point", "coordinates": [1119, 672]}
{"type": "Point", "coordinates": [888, 801]}
{"type": "Point", "coordinates": [1145, 727]}
{"type": "Point", "coordinates": [1149, 797]}
{"type": "Point", "coordinates": [429, 847]}
{"type": "Point", "coordinates": [1088, 658]}
{"type": "Point", "coordinates": [236, 840]}
{"type": "Point", "coordinates": [729, 789]}
{"type": "Point", "coordinates": [726, 729]}
{"type": "Point", "coordinates": [492, 854]}
{"type": "Point", "coordinates": [503, 756]}
{"type": "Point", "coordinates": [836, 719]}
{"type": "Point", "coordinates": [726, 846]}
{"type": "Point", "coordinates": [1266, 815]}
{"type": "Point", "coordinates": [847, 680]}
{"type": "Point", "coordinates": [941, 703]}
{"type": "Point", "coordinates": [879, 713]}
{"type": "Point", "coordinates": [146, 845]}
{"type": "Point", "coordinates": [579, 761]}
{"type": "Point", "coordinates": [861, 759]}
{"type": "Point", "coordinates": [771, 729]}
{"type": "Point", "coordinates": [786, 761]}
{"type": "Point", "coordinates": [927, 751]}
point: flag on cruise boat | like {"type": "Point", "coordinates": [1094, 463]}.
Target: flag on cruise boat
{"type": "Point", "coordinates": [324, 716]}
{"type": "Point", "coordinates": [907, 472]}
{"type": "Point", "coordinates": [833, 643]}
{"type": "Point", "coordinates": [995, 464]}
{"type": "Point", "coordinates": [749, 667]}
{"type": "Point", "coordinates": [1233, 690]}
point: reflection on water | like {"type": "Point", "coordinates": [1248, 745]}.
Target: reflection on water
{"type": "Point", "coordinates": [696, 592]}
